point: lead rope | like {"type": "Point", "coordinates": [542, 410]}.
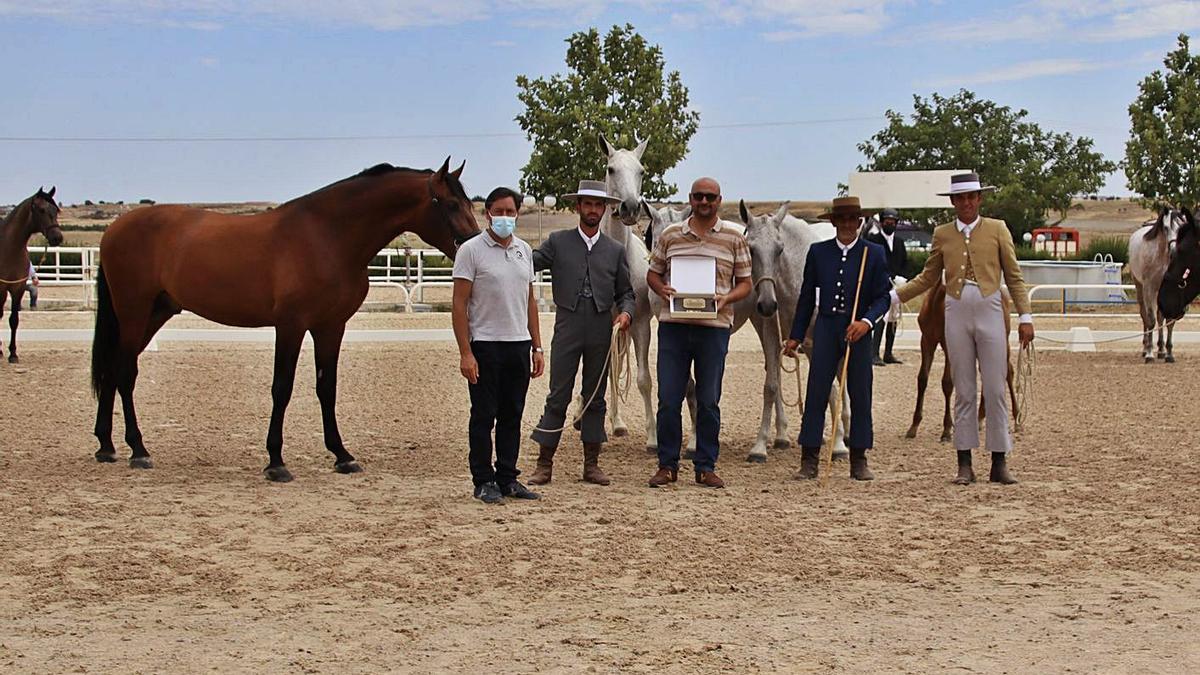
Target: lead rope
{"type": "Point", "coordinates": [1026, 358]}
{"type": "Point", "coordinates": [783, 357]}
{"type": "Point", "coordinates": [615, 353]}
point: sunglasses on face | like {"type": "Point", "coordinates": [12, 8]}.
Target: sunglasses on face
{"type": "Point", "coordinates": [705, 196]}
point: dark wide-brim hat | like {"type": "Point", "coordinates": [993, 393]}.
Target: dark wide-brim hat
{"type": "Point", "coordinates": [963, 183]}
{"type": "Point", "coordinates": [843, 206]}
{"type": "Point", "coordinates": [592, 188]}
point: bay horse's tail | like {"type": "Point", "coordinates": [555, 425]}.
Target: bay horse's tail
{"type": "Point", "coordinates": [106, 338]}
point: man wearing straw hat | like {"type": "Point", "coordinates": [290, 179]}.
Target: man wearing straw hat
{"type": "Point", "coordinates": [848, 284]}
{"type": "Point", "coordinates": [975, 254]}
{"type": "Point", "coordinates": [591, 284]}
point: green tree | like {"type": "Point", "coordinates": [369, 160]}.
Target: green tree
{"type": "Point", "coordinates": [1035, 171]}
{"type": "Point", "coordinates": [616, 87]}
{"type": "Point", "coordinates": [1161, 162]}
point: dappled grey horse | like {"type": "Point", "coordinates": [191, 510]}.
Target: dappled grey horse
{"type": "Point", "coordinates": [780, 249]}
{"type": "Point", "coordinates": [1150, 250]}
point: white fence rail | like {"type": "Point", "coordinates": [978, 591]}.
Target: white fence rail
{"type": "Point", "coordinates": [410, 271]}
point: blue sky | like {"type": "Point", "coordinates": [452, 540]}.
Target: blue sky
{"type": "Point", "coordinates": [437, 78]}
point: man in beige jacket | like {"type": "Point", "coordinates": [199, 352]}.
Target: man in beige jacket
{"type": "Point", "coordinates": [976, 254]}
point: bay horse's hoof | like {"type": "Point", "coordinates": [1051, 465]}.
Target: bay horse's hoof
{"type": "Point", "coordinates": [946, 438]}
{"type": "Point", "coordinates": [1149, 359]}
{"type": "Point", "coordinates": [14, 359]}
{"type": "Point", "coordinates": [620, 432]}
{"type": "Point", "coordinates": [140, 463]}
{"type": "Point", "coordinates": [348, 467]}
{"type": "Point", "coordinates": [781, 444]}
{"type": "Point", "coordinates": [756, 459]}
{"type": "Point", "coordinates": [911, 433]}
{"type": "Point", "coordinates": [652, 449]}
{"type": "Point", "coordinates": [106, 456]}
{"type": "Point", "coordinates": [1170, 358]}
{"type": "Point", "coordinates": [278, 474]}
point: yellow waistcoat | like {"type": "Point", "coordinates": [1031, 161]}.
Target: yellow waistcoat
{"type": "Point", "coordinates": [993, 257]}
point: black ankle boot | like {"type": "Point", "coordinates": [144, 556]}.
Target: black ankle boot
{"type": "Point", "coordinates": [966, 474]}
{"type": "Point", "coordinates": [1000, 472]}
{"type": "Point", "coordinates": [888, 356]}
{"type": "Point", "coordinates": [810, 459]}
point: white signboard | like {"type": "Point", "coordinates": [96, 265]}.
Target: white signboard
{"type": "Point", "coordinates": [902, 189]}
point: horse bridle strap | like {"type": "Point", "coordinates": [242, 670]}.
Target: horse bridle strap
{"type": "Point", "coordinates": [765, 277]}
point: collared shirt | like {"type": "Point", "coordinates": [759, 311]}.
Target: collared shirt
{"type": "Point", "coordinates": [966, 228]}
{"type": "Point", "coordinates": [723, 242]}
{"type": "Point", "coordinates": [890, 239]}
{"type": "Point", "coordinates": [498, 309]}
{"type": "Point", "coordinates": [590, 241]}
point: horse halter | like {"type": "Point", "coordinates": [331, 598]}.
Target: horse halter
{"type": "Point", "coordinates": [459, 239]}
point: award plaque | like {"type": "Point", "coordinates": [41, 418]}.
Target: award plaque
{"type": "Point", "coordinates": [694, 279]}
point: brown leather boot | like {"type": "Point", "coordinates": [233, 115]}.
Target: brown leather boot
{"type": "Point", "coordinates": [1000, 472]}
{"type": "Point", "coordinates": [709, 479]}
{"type": "Point", "coordinates": [966, 475]}
{"type": "Point", "coordinates": [664, 476]}
{"type": "Point", "coordinates": [858, 465]}
{"type": "Point", "coordinates": [545, 466]}
{"type": "Point", "coordinates": [591, 465]}
{"type": "Point", "coordinates": [810, 462]}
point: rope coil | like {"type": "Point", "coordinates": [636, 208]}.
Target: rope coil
{"type": "Point", "coordinates": [614, 350]}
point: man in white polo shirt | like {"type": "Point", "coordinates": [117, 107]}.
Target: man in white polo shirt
{"type": "Point", "coordinates": [499, 344]}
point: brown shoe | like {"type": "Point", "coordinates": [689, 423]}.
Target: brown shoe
{"type": "Point", "coordinates": [664, 477]}
{"type": "Point", "coordinates": [858, 465]}
{"type": "Point", "coordinates": [1000, 472]}
{"type": "Point", "coordinates": [545, 466]}
{"type": "Point", "coordinates": [810, 462]}
{"type": "Point", "coordinates": [709, 479]}
{"type": "Point", "coordinates": [966, 474]}
{"type": "Point", "coordinates": [591, 465]}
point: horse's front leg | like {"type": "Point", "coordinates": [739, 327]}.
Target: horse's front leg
{"type": "Point", "coordinates": [1146, 309]}
{"type": "Point", "coordinates": [288, 340]}
{"type": "Point", "coordinates": [766, 337]}
{"type": "Point", "coordinates": [616, 370]}
{"type": "Point", "coordinates": [14, 320]}
{"type": "Point", "coordinates": [641, 344]}
{"type": "Point", "coordinates": [927, 351]}
{"type": "Point", "coordinates": [1170, 343]}
{"type": "Point", "coordinates": [327, 343]}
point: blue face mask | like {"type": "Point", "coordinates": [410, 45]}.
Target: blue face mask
{"type": "Point", "coordinates": [504, 226]}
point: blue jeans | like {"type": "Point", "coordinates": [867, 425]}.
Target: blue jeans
{"type": "Point", "coordinates": [680, 346]}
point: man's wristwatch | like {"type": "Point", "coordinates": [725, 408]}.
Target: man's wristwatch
{"type": "Point", "coordinates": [538, 350]}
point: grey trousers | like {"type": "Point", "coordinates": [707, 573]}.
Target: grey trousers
{"type": "Point", "coordinates": [975, 335]}
{"type": "Point", "coordinates": [580, 335]}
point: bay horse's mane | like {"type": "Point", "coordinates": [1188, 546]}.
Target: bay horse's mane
{"type": "Point", "coordinates": [13, 212]}
{"type": "Point", "coordinates": [384, 169]}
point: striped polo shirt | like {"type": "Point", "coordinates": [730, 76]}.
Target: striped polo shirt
{"type": "Point", "coordinates": [725, 242]}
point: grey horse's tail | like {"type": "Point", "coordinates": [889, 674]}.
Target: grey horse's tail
{"type": "Point", "coordinates": [106, 338]}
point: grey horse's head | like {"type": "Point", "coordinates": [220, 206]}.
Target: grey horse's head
{"type": "Point", "coordinates": [766, 246]}
{"type": "Point", "coordinates": [661, 219]}
{"type": "Point", "coordinates": [623, 176]}
{"type": "Point", "coordinates": [1168, 225]}
{"type": "Point", "coordinates": [1181, 282]}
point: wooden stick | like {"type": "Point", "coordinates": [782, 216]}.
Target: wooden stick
{"type": "Point", "coordinates": [826, 464]}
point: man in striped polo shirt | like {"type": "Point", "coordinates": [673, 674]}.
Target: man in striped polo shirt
{"type": "Point", "coordinates": [702, 342]}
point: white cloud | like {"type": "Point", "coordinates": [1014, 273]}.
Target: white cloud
{"type": "Point", "coordinates": [1020, 71]}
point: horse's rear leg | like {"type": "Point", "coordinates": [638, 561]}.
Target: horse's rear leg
{"type": "Point", "coordinates": [640, 330]}
{"type": "Point", "coordinates": [1146, 309]}
{"type": "Point", "coordinates": [134, 338]}
{"type": "Point", "coordinates": [1170, 357]}
{"type": "Point", "coordinates": [690, 452]}
{"type": "Point", "coordinates": [287, 352]}
{"type": "Point", "coordinates": [328, 345]}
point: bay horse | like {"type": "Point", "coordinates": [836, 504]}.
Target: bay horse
{"type": "Point", "coordinates": [932, 321]}
{"type": "Point", "coordinates": [38, 213]}
{"type": "Point", "coordinates": [1151, 248]}
{"type": "Point", "coordinates": [1181, 282]}
{"type": "Point", "coordinates": [301, 267]}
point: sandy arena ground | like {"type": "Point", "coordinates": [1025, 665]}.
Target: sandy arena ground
{"type": "Point", "coordinates": [1089, 564]}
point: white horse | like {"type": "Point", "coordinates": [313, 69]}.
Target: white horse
{"type": "Point", "coordinates": [1150, 250]}
{"type": "Point", "coordinates": [779, 244]}
{"type": "Point", "coordinates": [623, 176]}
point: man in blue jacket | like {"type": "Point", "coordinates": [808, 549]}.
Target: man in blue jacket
{"type": "Point", "coordinates": [832, 268]}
